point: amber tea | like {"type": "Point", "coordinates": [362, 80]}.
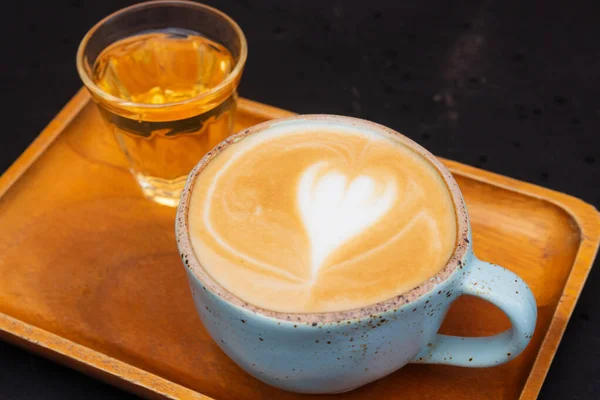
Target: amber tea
{"type": "Point", "coordinates": [167, 87]}
{"type": "Point", "coordinates": [161, 68]}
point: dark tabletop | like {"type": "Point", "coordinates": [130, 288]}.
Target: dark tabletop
{"type": "Point", "coordinates": [505, 85]}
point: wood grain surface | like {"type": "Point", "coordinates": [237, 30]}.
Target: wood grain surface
{"type": "Point", "coordinates": [90, 274]}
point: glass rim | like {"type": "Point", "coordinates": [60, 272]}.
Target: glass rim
{"type": "Point", "coordinates": [96, 90]}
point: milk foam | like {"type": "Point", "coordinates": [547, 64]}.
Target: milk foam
{"type": "Point", "coordinates": [330, 215]}
{"type": "Point", "coordinates": [334, 209]}
{"type": "Point", "coordinates": [320, 217]}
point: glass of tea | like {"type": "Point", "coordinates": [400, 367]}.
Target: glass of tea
{"type": "Point", "coordinates": [164, 75]}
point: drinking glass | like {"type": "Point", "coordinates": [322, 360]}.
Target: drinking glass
{"type": "Point", "coordinates": [164, 75]}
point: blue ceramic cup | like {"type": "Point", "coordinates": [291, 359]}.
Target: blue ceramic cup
{"type": "Point", "coordinates": [335, 352]}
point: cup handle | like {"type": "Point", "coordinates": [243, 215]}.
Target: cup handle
{"type": "Point", "coordinates": [506, 291]}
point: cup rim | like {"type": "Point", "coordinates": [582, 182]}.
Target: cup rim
{"type": "Point", "coordinates": [207, 283]}
{"type": "Point", "coordinates": [119, 102]}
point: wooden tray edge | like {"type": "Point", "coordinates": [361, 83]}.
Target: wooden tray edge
{"type": "Point", "coordinates": [147, 384]}
{"type": "Point", "coordinates": [587, 219]}
{"type": "Point", "coordinates": [91, 362]}
{"type": "Point", "coordinates": [263, 110]}
{"type": "Point", "coordinates": [44, 139]}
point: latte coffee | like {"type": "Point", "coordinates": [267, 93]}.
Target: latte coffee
{"type": "Point", "coordinates": [322, 216]}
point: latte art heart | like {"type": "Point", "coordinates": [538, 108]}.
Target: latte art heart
{"type": "Point", "coordinates": [334, 209]}
{"type": "Point", "coordinates": [320, 219]}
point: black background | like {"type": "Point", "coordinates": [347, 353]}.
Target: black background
{"type": "Point", "coordinates": [505, 85]}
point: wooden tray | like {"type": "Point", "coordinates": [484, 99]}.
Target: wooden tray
{"type": "Point", "coordinates": [90, 275]}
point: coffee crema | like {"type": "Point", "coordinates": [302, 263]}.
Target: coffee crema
{"type": "Point", "coordinates": [320, 217]}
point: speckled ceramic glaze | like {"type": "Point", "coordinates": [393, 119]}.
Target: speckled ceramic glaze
{"type": "Point", "coordinates": [340, 351]}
